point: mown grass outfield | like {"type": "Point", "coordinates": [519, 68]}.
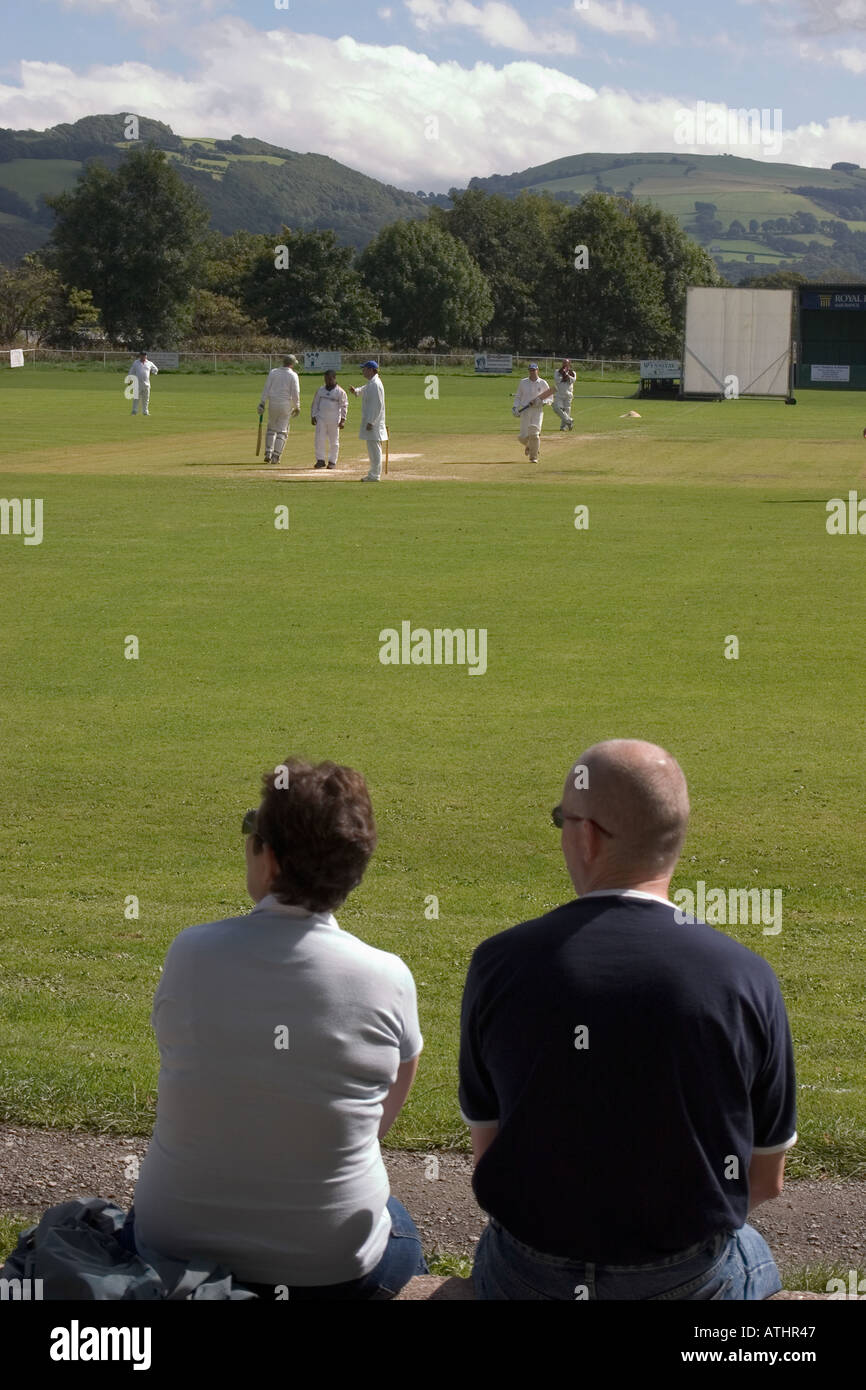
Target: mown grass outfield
{"type": "Point", "coordinates": [128, 777]}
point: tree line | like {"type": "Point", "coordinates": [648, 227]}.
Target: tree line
{"type": "Point", "coordinates": [130, 251]}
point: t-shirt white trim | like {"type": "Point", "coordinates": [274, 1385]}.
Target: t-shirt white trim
{"type": "Point", "coordinates": [626, 893]}
{"type": "Point", "coordinates": [778, 1148]}
{"type": "Point", "coordinates": [478, 1124]}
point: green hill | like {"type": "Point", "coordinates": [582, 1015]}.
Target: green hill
{"type": "Point", "coordinates": [741, 189]}
{"type": "Point", "coordinates": [246, 183]}
{"type": "Point", "coordinates": [820, 214]}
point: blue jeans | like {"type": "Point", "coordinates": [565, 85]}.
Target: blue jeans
{"type": "Point", "coordinates": [403, 1258]}
{"type": "Point", "coordinates": [735, 1265]}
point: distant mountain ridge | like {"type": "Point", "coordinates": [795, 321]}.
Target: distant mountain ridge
{"type": "Point", "coordinates": [753, 215]}
{"type": "Point", "coordinates": [246, 183]}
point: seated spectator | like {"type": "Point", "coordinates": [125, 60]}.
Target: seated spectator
{"type": "Point", "coordinates": [288, 1048]}
{"type": "Point", "coordinates": [628, 1081]}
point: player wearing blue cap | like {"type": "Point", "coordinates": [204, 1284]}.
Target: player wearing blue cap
{"type": "Point", "coordinates": [373, 428]}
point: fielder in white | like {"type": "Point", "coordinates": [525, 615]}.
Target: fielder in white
{"type": "Point", "coordinates": [563, 382]}
{"type": "Point", "coordinates": [373, 428]}
{"type": "Point", "coordinates": [282, 392]}
{"type": "Point", "coordinates": [328, 414]}
{"type": "Point", "coordinates": [532, 393]}
{"type": "Point", "coordinates": [141, 370]}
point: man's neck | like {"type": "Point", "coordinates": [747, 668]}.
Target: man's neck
{"type": "Point", "coordinates": [656, 887]}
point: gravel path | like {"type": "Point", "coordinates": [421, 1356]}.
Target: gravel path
{"type": "Point", "coordinates": [811, 1223]}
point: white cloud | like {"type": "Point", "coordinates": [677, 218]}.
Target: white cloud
{"type": "Point", "coordinates": [851, 59]}
{"type": "Point", "coordinates": [631, 21]}
{"type": "Point", "coordinates": [499, 25]}
{"type": "Point", "coordinates": [162, 20]}
{"type": "Point", "coordinates": [134, 11]}
{"type": "Point", "coordinates": [372, 110]}
{"type": "Point", "coordinates": [816, 16]}
{"type": "Point", "coordinates": [854, 59]}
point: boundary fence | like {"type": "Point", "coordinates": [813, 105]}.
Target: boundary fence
{"type": "Point", "coordinates": [213, 362]}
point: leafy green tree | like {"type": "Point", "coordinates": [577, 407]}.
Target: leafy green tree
{"type": "Point", "coordinates": [779, 280]}
{"type": "Point", "coordinates": [69, 318]}
{"type": "Point", "coordinates": [132, 237]}
{"type": "Point", "coordinates": [217, 316]}
{"type": "Point", "coordinates": [616, 303]}
{"type": "Point", "coordinates": [26, 291]}
{"type": "Point", "coordinates": [428, 284]}
{"type": "Point", "coordinates": [228, 261]}
{"type": "Point", "coordinates": [307, 288]}
{"type": "Point", "coordinates": [505, 237]}
{"type": "Point", "coordinates": [681, 260]}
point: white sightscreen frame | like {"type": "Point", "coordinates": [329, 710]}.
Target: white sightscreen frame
{"type": "Point", "coordinates": [747, 334]}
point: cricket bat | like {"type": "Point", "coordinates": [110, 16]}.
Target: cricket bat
{"type": "Point", "coordinates": [537, 401]}
{"type": "Point", "coordinates": [387, 442]}
{"type": "Point", "coordinates": [259, 440]}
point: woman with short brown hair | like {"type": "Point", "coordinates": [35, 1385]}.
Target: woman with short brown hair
{"type": "Point", "coordinates": [288, 1048]}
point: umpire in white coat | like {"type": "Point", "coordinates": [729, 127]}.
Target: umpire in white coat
{"type": "Point", "coordinates": [373, 428]}
{"type": "Point", "coordinates": [282, 392]}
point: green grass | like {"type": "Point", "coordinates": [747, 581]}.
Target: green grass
{"type": "Point", "coordinates": [447, 1265]}
{"type": "Point", "coordinates": [11, 1224]}
{"type": "Point", "coordinates": [30, 177]}
{"type": "Point", "coordinates": [756, 247]}
{"type": "Point", "coordinates": [770, 257]}
{"type": "Point", "coordinates": [128, 778]}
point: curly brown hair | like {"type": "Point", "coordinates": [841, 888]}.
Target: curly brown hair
{"type": "Point", "coordinates": [321, 829]}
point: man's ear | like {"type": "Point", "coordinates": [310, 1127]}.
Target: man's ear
{"type": "Point", "coordinates": [594, 841]}
{"type": "Point", "coordinates": [271, 862]}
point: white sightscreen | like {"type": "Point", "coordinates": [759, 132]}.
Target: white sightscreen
{"type": "Point", "coordinates": [744, 334]}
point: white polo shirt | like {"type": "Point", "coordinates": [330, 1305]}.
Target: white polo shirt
{"type": "Point", "coordinates": [143, 370]}
{"type": "Point", "coordinates": [264, 1157]}
{"type": "Point", "coordinates": [282, 388]}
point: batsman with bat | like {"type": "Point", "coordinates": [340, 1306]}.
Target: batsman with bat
{"type": "Point", "coordinates": [530, 398]}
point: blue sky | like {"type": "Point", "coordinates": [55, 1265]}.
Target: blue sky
{"type": "Point", "coordinates": [426, 93]}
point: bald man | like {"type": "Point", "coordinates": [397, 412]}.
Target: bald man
{"type": "Point", "coordinates": [628, 1081]}
{"type": "Point", "coordinates": [282, 395]}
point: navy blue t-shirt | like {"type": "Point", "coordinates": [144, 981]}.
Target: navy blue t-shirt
{"type": "Point", "coordinates": [633, 1065]}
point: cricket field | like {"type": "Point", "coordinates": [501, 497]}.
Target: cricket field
{"type": "Point", "coordinates": [609, 579]}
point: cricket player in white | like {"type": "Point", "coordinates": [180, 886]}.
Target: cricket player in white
{"type": "Point", "coordinates": [563, 382]}
{"type": "Point", "coordinates": [282, 391]}
{"type": "Point", "coordinates": [532, 392]}
{"type": "Point", "coordinates": [373, 428]}
{"type": "Point", "coordinates": [328, 414]}
{"type": "Point", "coordinates": [141, 370]}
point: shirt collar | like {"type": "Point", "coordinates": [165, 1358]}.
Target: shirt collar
{"type": "Point", "coordinates": [272, 904]}
{"type": "Point", "coordinates": [626, 893]}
